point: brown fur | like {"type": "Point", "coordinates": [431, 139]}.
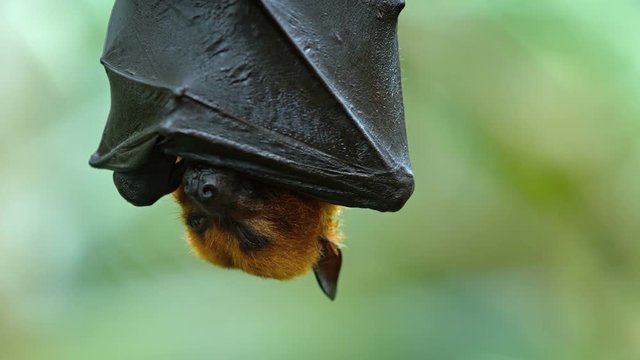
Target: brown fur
{"type": "Point", "coordinates": [294, 224]}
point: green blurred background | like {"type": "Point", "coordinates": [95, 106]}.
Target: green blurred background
{"type": "Point", "coordinates": [521, 241]}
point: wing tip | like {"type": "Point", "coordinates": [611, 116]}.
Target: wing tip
{"type": "Point", "coordinates": [403, 191]}
{"type": "Point", "coordinates": [393, 6]}
{"type": "Point", "coordinates": [94, 160]}
{"type": "Point", "coordinates": [400, 190]}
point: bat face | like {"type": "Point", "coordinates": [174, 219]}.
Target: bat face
{"type": "Point", "coordinates": [233, 222]}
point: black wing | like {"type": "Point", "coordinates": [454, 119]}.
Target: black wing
{"type": "Point", "coordinates": [302, 94]}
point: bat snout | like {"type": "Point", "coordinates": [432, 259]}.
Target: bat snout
{"type": "Point", "coordinates": [205, 187]}
{"type": "Point", "coordinates": [206, 190]}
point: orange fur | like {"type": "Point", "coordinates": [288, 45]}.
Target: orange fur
{"type": "Point", "coordinates": [293, 223]}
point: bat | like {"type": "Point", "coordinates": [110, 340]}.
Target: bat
{"type": "Point", "coordinates": [291, 108]}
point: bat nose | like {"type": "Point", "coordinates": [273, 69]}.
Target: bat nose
{"type": "Point", "coordinates": [202, 186]}
{"type": "Point", "coordinates": [207, 190]}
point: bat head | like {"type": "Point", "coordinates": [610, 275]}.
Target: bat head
{"type": "Point", "coordinates": [234, 222]}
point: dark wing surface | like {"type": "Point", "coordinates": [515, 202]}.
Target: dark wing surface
{"type": "Point", "coordinates": [300, 94]}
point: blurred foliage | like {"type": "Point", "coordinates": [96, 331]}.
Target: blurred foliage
{"type": "Point", "coordinates": [519, 243]}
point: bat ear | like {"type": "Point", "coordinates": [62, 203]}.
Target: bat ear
{"type": "Point", "coordinates": [327, 269]}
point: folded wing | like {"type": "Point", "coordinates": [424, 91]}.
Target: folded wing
{"type": "Point", "coordinates": [301, 94]}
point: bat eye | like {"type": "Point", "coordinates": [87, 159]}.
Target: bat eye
{"type": "Point", "coordinates": [250, 240]}
{"type": "Point", "coordinates": [198, 222]}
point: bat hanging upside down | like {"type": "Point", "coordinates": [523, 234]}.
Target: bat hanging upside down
{"type": "Point", "coordinates": [303, 94]}
{"type": "Point", "coordinates": [233, 222]}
